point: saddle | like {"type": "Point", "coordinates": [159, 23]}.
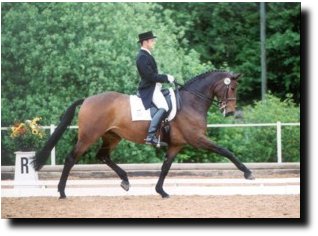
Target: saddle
{"type": "Point", "coordinates": [138, 111]}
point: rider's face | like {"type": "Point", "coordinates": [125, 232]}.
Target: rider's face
{"type": "Point", "coordinates": [149, 44]}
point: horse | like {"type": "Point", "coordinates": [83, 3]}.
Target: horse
{"type": "Point", "coordinates": [107, 116]}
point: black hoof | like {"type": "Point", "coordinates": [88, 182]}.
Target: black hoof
{"type": "Point", "coordinates": [249, 176]}
{"type": "Point", "coordinates": [125, 185]}
{"type": "Point", "coordinates": [165, 195]}
{"type": "Point", "coordinates": [62, 194]}
{"type": "Point", "coordinates": [162, 193]}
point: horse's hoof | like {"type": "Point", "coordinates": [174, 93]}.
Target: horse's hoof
{"type": "Point", "coordinates": [162, 193]}
{"type": "Point", "coordinates": [165, 195]}
{"type": "Point", "coordinates": [62, 194]}
{"type": "Point", "coordinates": [125, 185]}
{"type": "Point", "coordinates": [249, 176]}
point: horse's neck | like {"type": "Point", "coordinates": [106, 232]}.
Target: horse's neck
{"type": "Point", "coordinates": [200, 94]}
{"type": "Point", "coordinates": [195, 103]}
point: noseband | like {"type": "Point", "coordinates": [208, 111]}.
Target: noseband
{"type": "Point", "coordinates": [226, 99]}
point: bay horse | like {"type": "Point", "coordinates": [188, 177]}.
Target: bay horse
{"type": "Point", "coordinates": [107, 116]}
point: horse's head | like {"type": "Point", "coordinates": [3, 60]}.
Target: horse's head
{"type": "Point", "coordinates": [225, 91]}
{"type": "Point", "coordinates": [211, 84]}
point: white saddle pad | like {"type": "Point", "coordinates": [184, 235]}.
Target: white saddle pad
{"type": "Point", "coordinates": [138, 111]}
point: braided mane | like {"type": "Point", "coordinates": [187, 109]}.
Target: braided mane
{"type": "Point", "coordinates": [203, 75]}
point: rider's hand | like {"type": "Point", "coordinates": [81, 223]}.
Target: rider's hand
{"type": "Point", "coordinates": [170, 78]}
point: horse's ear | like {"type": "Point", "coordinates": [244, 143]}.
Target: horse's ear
{"type": "Point", "coordinates": [236, 76]}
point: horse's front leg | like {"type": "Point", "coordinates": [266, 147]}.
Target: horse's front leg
{"type": "Point", "coordinates": [204, 143]}
{"type": "Point", "coordinates": [169, 157]}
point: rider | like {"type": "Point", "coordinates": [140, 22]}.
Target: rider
{"type": "Point", "coordinates": [150, 85]}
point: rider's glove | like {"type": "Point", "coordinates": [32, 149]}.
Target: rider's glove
{"type": "Point", "coordinates": [170, 78]}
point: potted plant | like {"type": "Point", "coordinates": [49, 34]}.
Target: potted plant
{"type": "Point", "coordinates": [27, 136]}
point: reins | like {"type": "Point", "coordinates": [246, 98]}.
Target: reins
{"type": "Point", "coordinates": [194, 92]}
{"type": "Point", "coordinates": [204, 97]}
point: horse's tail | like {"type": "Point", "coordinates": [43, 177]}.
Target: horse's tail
{"type": "Point", "coordinates": [42, 155]}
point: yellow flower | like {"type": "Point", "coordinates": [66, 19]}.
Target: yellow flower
{"type": "Point", "coordinates": [18, 129]}
{"type": "Point", "coordinates": [32, 126]}
{"type": "Point", "coordinates": [35, 120]}
{"type": "Point", "coordinates": [36, 129]}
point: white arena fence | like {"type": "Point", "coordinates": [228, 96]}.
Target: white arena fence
{"type": "Point", "coordinates": [278, 125]}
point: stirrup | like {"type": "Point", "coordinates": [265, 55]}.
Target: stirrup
{"type": "Point", "coordinates": [161, 144]}
{"type": "Point", "coordinates": [156, 142]}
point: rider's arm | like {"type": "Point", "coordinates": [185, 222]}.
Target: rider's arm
{"type": "Point", "coordinates": [147, 72]}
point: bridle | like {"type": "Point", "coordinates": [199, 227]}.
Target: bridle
{"type": "Point", "coordinates": [222, 104]}
{"type": "Point", "coordinates": [225, 100]}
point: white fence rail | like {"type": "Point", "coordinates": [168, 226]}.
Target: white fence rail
{"type": "Point", "coordinates": [278, 125]}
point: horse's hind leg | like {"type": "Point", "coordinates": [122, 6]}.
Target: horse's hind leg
{"type": "Point", "coordinates": [110, 141]}
{"type": "Point", "coordinates": [71, 159]}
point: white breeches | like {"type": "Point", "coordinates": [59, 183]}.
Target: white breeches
{"type": "Point", "coordinates": [158, 99]}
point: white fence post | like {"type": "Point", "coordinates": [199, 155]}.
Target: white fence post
{"type": "Point", "coordinates": [279, 142]}
{"type": "Point", "coordinates": [52, 128]}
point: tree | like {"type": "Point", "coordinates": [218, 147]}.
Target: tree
{"type": "Point", "coordinates": [283, 49]}
{"type": "Point", "coordinates": [228, 36]}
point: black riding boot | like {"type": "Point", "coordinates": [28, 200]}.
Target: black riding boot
{"type": "Point", "coordinates": [154, 125]}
